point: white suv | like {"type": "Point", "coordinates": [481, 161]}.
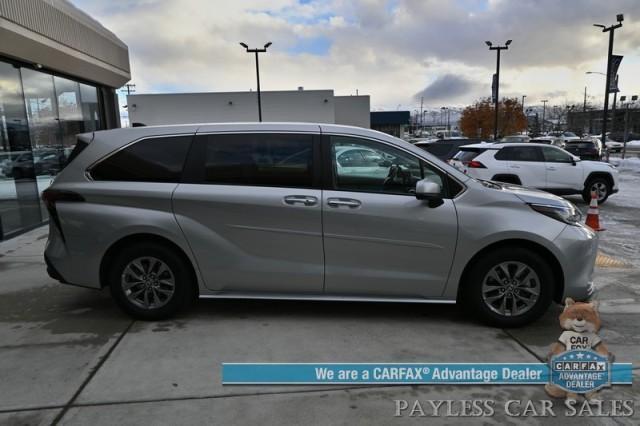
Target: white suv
{"type": "Point", "coordinates": [539, 166]}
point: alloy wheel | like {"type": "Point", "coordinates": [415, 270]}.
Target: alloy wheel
{"type": "Point", "coordinates": [510, 288]}
{"type": "Point", "coordinates": [148, 282]}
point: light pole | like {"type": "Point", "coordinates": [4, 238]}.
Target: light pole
{"type": "Point", "coordinates": [256, 51]}
{"type": "Point", "coordinates": [544, 110]}
{"type": "Point", "coordinates": [611, 29]}
{"type": "Point", "coordinates": [497, 49]}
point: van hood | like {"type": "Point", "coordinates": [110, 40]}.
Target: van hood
{"type": "Point", "coordinates": [528, 195]}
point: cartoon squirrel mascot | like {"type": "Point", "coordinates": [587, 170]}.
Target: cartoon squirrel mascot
{"type": "Point", "coordinates": [581, 323]}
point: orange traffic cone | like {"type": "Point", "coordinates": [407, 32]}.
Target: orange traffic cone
{"type": "Point", "coordinates": [593, 217]}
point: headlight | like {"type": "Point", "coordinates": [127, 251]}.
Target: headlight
{"type": "Point", "coordinates": [568, 214]}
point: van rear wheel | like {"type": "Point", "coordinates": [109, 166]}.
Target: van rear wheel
{"type": "Point", "coordinates": [509, 287]}
{"type": "Point", "coordinates": [150, 281]}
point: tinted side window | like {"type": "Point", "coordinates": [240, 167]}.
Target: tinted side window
{"type": "Point", "coordinates": [556, 156]}
{"type": "Point", "coordinates": [149, 160]}
{"type": "Point", "coordinates": [259, 160]}
{"type": "Point", "coordinates": [520, 153]}
{"type": "Point", "coordinates": [387, 169]}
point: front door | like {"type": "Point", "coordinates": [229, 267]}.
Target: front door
{"type": "Point", "coordinates": [527, 163]}
{"type": "Point", "coordinates": [251, 211]}
{"type": "Point", "coordinates": [562, 172]}
{"type": "Point", "coordinates": [379, 240]}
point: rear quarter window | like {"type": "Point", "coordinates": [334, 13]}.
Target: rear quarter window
{"type": "Point", "coordinates": [158, 159]}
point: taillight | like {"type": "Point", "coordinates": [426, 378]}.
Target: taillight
{"type": "Point", "coordinates": [473, 164]}
{"type": "Point", "coordinates": [52, 196]}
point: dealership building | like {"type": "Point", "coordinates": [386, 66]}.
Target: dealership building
{"type": "Point", "coordinates": [59, 71]}
{"type": "Point", "coordinates": [317, 106]}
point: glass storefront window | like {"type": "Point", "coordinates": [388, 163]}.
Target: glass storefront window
{"type": "Point", "coordinates": [44, 127]}
{"type": "Point", "coordinates": [40, 116]}
{"type": "Point", "coordinates": [69, 109]}
{"type": "Point", "coordinates": [90, 112]}
{"type": "Point", "coordinates": [19, 203]}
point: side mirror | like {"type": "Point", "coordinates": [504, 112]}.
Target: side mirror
{"type": "Point", "coordinates": [430, 191]}
{"type": "Point", "coordinates": [385, 163]}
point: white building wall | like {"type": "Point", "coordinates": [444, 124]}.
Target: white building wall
{"type": "Point", "coordinates": [317, 106]}
{"type": "Point", "coordinates": [353, 110]}
{"type": "Point", "coordinates": [180, 108]}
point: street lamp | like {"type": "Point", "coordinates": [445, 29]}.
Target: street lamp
{"type": "Point", "coordinates": [611, 29]}
{"type": "Point", "coordinates": [497, 88]}
{"type": "Point", "coordinates": [256, 51]}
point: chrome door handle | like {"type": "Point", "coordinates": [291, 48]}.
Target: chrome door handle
{"type": "Point", "coordinates": [515, 167]}
{"type": "Point", "coordinates": [349, 202]}
{"type": "Point", "coordinates": [551, 168]}
{"type": "Point", "coordinates": [306, 200]}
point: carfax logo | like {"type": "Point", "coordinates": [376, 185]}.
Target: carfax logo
{"type": "Point", "coordinates": [580, 371]}
{"type": "Point", "coordinates": [579, 360]}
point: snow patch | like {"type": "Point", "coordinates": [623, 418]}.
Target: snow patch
{"type": "Point", "coordinates": [631, 164]}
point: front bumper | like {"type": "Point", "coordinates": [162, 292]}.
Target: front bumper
{"type": "Point", "coordinates": [578, 246]}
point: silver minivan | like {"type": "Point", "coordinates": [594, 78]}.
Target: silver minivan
{"type": "Point", "coordinates": [163, 215]}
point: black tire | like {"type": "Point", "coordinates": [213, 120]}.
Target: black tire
{"type": "Point", "coordinates": [471, 294]}
{"type": "Point", "coordinates": [179, 269]}
{"type": "Point", "coordinates": [586, 192]}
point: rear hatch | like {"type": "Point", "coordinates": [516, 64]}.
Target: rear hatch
{"type": "Point", "coordinates": [464, 159]}
{"type": "Point", "coordinates": [581, 148]}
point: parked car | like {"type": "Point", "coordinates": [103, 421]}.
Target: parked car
{"type": "Point", "coordinates": [538, 166]}
{"type": "Point", "coordinates": [586, 149]}
{"type": "Point", "coordinates": [449, 134]}
{"type": "Point", "coordinates": [445, 149]}
{"type": "Point", "coordinates": [565, 136]}
{"type": "Point", "coordinates": [262, 210]}
{"type": "Point", "coordinates": [549, 140]}
{"type": "Point", "coordinates": [361, 161]}
{"type": "Point", "coordinates": [619, 136]}
{"type": "Point", "coordinates": [514, 139]}
{"type": "Point", "coordinates": [29, 164]}
{"type": "Point", "coordinates": [614, 146]}
{"type": "Point", "coordinates": [416, 140]}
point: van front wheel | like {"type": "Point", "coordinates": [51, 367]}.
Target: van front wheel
{"type": "Point", "coordinates": [509, 287]}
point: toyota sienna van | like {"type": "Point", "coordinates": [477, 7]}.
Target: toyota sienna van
{"type": "Point", "coordinates": [163, 215]}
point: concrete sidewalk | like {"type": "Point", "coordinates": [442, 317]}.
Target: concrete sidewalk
{"type": "Point", "coordinates": [68, 355]}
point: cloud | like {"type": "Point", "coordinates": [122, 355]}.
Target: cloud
{"type": "Point", "coordinates": [446, 87]}
{"type": "Point", "coordinates": [390, 49]}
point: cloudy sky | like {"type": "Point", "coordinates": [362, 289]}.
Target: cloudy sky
{"type": "Point", "coordinates": [393, 50]}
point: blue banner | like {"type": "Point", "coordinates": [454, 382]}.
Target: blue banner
{"type": "Point", "coordinates": [400, 373]}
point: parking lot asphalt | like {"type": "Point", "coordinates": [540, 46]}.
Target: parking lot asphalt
{"type": "Point", "coordinates": [69, 356]}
